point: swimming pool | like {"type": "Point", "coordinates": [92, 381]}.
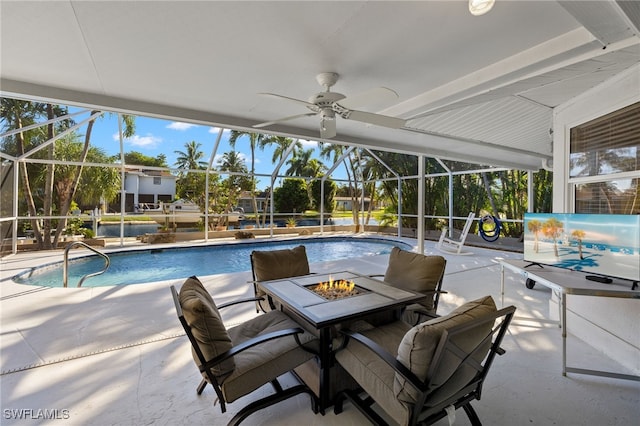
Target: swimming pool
{"type": "Point", "coordinates": [158, 264]}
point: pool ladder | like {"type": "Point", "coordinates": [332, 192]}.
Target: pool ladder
{"type": "Point", "coordinates": [65, 265]}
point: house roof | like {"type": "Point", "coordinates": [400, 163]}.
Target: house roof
{"type": "Point", "coordinates": [472, 88]}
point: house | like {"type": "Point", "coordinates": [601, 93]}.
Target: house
{"type": "Point", "coordinates": [245, 201]}
{"type": "Point", "coordinates": [144, 186]}
{"type": "Point", "coordinates": [346, 203]}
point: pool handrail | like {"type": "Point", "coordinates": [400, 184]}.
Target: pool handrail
{"type": "Point", "coordinates": [65, 266]}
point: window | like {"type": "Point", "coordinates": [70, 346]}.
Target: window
{"type": "Point", "coordinates": [604, 163]}
{"type": "Point", "coordinates": [157, 181]}
{"type": "Point", "coordinates": [615, 196]}
{"type": "Point", "coordinates": [606, 145]}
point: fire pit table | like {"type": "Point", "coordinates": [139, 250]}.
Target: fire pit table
{"type": "Point", "coordinates": [323, 302]}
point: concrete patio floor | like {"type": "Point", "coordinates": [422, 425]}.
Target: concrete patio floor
{"type": "Point", "coordinates": [118, 356]}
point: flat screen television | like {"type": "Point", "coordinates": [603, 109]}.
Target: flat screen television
{"type": "Point", "coordinates": [607, 245]}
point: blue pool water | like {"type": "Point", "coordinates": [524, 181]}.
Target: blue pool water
{"type": "Point", "coordinates": [143, 266]}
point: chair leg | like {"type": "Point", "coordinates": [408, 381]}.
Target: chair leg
{"type": "Point", "coordinates": [364, 405]}
{"type": "Point", "coordinates": [267, 401]}
{"type": "Point", "coordinates": [471, 413]}
{"type": "Point", "coordinates": [201, 386]}
{"type": "Point", "coordinates": [338, 403]}
{"type": "Point", "coordinates": [315, 403]}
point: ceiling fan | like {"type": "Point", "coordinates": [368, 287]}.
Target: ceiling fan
{"type": "Point", "coordinates": [328, 104]}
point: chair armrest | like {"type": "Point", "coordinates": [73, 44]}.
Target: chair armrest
{"type": "Point", "coordinates": [425, 313]}
{"type": "Point", "coordinates": [251, 343]}
{"type": "Point", "coordinates": [236, 302]}
{"type": "Point", "coordinates": [384, 355]}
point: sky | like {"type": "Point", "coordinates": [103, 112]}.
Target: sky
{"type": "Point", "coordinates": [154, 136]}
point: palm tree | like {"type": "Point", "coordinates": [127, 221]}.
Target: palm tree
{"type": "Point", "coordinates": [189, 184]}
{"type": "Point", "coordinates": [535, 226]}
{"type": "Point", "coordinates": [237, 180]}
{"type": "Point", "coordinates": [18, 114]}
{"type": "Point", "coordinates": [334, 152]}
{"type": "Point", "coordinates": [298, 163]}
{"type": "Point", "coordinates": [578, 235]}
{"type": "Point", "coordinates": [552, 228]}
{"type": "Point", "coordinates": [192, 159]}
{"type": "Point", "coordinates": [282, 144]}
{"type": "Point", "coordinates": [255, 140]}
{"type": "Point", "coordinates": [68, 190]}
{"type": "Point", "coordinates": [371, 170]}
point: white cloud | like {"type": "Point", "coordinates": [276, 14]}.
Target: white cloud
{"type": "Point", "coordinates": [180, 126]}
{"type": "Point", "coordinates": [215, 130]}
{"type": "Point", "coordinates": [148, 141]}
{"type": "Point", "coordinates": [308, 144]}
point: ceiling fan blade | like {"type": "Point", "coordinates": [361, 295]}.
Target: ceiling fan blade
{"type": "Point", "coordinates": [286, 98]}
{"type": "Point", "coordinates": [328, 128]}
{"type": "Point", "coordinates": [377, 119]}
{"type": "Point", "coordinates": [280, 120]}
{"type": "Point", "coordinates": [378, 97]}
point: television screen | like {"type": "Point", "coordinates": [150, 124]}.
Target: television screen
{"type": "Point", "coordinates": [602, 244]}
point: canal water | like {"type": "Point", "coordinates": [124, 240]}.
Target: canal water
{"type": "Point", "coordinates": [133, 229]}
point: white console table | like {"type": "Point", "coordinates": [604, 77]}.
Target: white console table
{"type": "Point", "coordinates": [564, 282]}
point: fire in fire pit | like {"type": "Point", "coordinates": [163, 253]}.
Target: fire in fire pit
{"type": "Point", "coordinates": [336, 289]}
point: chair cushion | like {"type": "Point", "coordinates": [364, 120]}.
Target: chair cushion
{"type": "Point", "coordinates": [207, 327]}
{"type": "Point", "coordinates": [264, 362]}
{"type": "Point", "coordinates": [371, 372]}
{"type": "Point", "coordinates": [417, 272]}
{"type": "Point", "coordinates": [277, 264]}
{"type": "Point", "coordinates": [418, 346]}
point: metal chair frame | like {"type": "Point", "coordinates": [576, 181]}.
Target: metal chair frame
{"type": "Point", "coordinates": [462, 398]}
{"type": "Point", "coordinates": [205, 366]}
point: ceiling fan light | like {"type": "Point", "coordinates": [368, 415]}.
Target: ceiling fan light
{"type": "Point", "coordinates": [480, 7]}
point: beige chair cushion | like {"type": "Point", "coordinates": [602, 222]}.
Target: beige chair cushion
{"type": "Point", "coordinates": [262, 363]}
{"type": "Point", "coordinates": [418, 346]}
{"type": "Point", "coordinates": [417, 272]}
{"type": "Point", "coordinates": [371, 372]}
{"type": "Point", "coordinates": [207, 327]}
{"type": "Point", "coordinates": [277, 264]}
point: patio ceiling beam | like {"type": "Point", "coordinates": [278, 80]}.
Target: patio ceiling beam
{"type": "Point", "coordinates": [407, 143]}
{"type": "Point", "coordinates": [502, 73]}
{"type": "Point", "coordinates": [484, 144]}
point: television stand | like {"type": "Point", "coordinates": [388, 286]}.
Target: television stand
{"type": "Point", "coordinates": [529, 283]}
{"type": "Point", "coordinates": [565, 282]}
{"type": "Point", "coordinates": [599, 279]}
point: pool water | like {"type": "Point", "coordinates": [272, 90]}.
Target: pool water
{"type": "Point", "coordinates": [144, 266]}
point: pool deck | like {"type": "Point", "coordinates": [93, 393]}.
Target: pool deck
{"type": "Point", "coordinates": [117, 355]}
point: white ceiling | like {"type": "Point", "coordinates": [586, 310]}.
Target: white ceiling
{"type": "Point", "coordinates": [479, 89]}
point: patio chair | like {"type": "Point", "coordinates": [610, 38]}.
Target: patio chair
{"type": "Point", "coordinates": [417, 272]}
{"type": "Point", "coordinates": [270, 265]}
{"type": "Point", "coordinates": [421, 374]}
{"type": "Point", "coordinates": [241, 359]}
{"type": "Point", "coordinates": [451, 245]}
